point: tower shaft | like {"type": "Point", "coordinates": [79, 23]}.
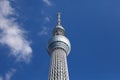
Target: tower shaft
{"type": "Point", "coordinates": [58, 66]}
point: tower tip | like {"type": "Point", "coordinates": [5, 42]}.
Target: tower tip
{"type": "Point", "coordinates": [59, 20]}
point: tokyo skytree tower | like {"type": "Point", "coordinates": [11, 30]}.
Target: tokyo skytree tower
{"type": "Point", "coordinates": [58, 48]}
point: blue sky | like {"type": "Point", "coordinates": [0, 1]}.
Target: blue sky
{"type": "Point", "coordinates": [92, 26]}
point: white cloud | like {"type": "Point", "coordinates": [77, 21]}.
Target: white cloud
{"type": "Point", "coordinates": [47, 2]}
{"type": "Point", "coordinates": [11, 34]}
{"type": "Point", "coordinates": [47, 19]}
{"type": "Point", "coordinates": [9, 74]}
{"type": "Point", "coordinates": [44, 31]}
{"type": "Point", "coordinates": [1, 78]}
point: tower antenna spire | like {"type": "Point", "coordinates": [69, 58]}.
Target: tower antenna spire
{"type": "Point", "coordinates": [59, 20]}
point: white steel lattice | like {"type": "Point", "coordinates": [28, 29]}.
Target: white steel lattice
{"type": "Point", "coordinates": [58, 67]}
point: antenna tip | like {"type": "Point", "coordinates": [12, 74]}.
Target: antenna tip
{"type": "Point", "coordinates": [59, 15]}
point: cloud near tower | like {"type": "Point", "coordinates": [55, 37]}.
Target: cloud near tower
{"type": "Point", "coordinates": [12, 35]}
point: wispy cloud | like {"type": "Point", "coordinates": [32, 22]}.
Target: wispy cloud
{"type": "Point", "coordinates": [11, 34]}
{"type": "Point", "coordinates": [44, 31]}
{"type": "Point", "coordinates": [1, 78]}
{"type": "Point", "coordinates": [47, 19]}
{"type": "Point", "coordinates": [9, 74]}
{"type": "Point", "coordinates": [47, 2]}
